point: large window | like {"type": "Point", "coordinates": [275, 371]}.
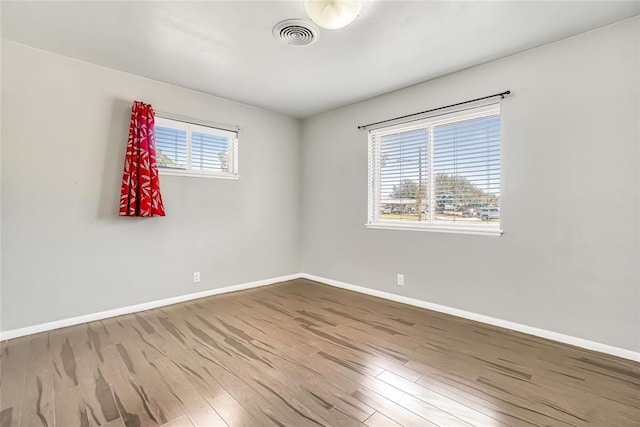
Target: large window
{"type": "Point", "coordinates": [189, 149]}
{"type": "Point", "coordinates": [440, 174]}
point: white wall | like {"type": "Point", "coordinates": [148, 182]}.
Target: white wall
{"type": "Point", "coordinates": [65, 251]}
{"type": "Point", "coordinates": [568, 261]}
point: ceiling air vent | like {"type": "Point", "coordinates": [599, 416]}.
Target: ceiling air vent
{"type": "Point", "coordinates": [296, 32]}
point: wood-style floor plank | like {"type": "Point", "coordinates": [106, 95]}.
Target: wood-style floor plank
{"type": "Point", "coordinates": [305, 354]}
{"type": "Point", "coordinates": [451, 406]}
{"type": "Point", "coordinates": [12, 380]}
{"type": "Point", "coordinates": [37, 403]}
{"type": "Point", "coordinates": [179, 422]}
{"type": "Point", "coordinates": [194, 405]}
{"type": "Point", "coordinates": [379, 420]}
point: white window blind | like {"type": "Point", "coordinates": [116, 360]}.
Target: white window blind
{"type": "Point", "coordinates": [189, 149]}
{"type": "Point", "coordinates": [171, 147]}
{"type": "Point", "coordinates": [440, 174]}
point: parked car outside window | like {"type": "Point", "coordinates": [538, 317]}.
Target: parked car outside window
{"type": "Point", "coordinates": [487, 214]}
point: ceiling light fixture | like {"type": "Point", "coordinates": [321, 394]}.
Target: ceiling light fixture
{"type": "Point", "coordinates": [333, 14]}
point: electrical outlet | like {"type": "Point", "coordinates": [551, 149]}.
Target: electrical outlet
{"type": "Point", "coordinates": [196, 276]}
{"type": "Point", "coordinates": [400, 280]}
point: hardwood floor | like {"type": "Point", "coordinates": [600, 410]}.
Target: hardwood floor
{"type": "Point", "coordinates": [305, 354]}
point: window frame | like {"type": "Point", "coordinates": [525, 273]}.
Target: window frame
{"type": "Point", "coordinates": [428, 124]}
{"type": "Point", "coordinates": [190, 127]}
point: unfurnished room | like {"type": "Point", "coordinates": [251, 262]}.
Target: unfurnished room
{"type": "Point", "coordinates": [319, 213]}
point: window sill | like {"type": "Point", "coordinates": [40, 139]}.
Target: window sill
{"type": "Point", "coordinates": [194, 174]}
{"type": "Point", "coordinates": [436, 228]}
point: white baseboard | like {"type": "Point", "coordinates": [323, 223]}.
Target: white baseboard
{"type": "Point", "coordinates": [15, 333]}
{"type": "Point", "coordinates": [554, 336]}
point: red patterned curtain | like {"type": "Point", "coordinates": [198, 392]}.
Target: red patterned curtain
{"type": "Point", "coordinates": [140, 195]}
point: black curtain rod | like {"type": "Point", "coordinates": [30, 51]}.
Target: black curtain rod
{"type": "Point", "coordinates": [502, 94]}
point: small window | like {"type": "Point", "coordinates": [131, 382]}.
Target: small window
{"type": "Point", "coordinates": [437, 174]}
{"type": "Point", "coordinates": [189, 149]}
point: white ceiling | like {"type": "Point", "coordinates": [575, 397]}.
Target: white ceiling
{"type": "Point", "coordinates": [227, 49]}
